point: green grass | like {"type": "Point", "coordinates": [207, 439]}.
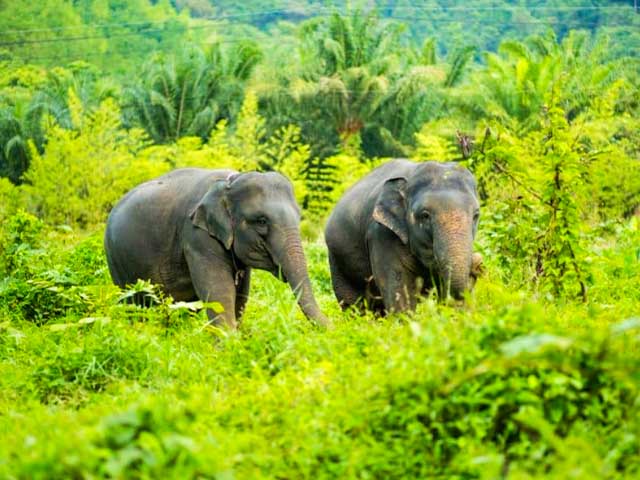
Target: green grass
{"type": "Point", "coordinates": [514, 384]}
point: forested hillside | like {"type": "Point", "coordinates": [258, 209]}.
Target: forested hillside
{"type": "Point", "coordinates": [535, 375]}
{"type": "Point", "coordinates": [116, 34]}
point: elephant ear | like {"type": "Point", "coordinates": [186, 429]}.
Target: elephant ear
{"type": "Point", "coordinates": [212, 214]}
{"type": "Point", "coordinates": [390, 208]}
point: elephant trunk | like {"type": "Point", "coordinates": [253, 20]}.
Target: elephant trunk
{"type": "Point", "coordinates": [453, 249]}
{"type": "Point", "coordinates": [293, 263]}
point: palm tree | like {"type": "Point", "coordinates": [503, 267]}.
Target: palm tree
{"type": "Point", "coordinates": [189, 93]}
{"type": "Point", "coordinates": [14, 151]}
{"type": "Point", "coordinates": [344, 71]}
{"type": "Point", "coordinates": [518, 78]}
{"type": "Point", "coordinates": [21, 119]}
{"type": "Point", "coordinates": [359, 77]}
{"type": "Point", "coordinates": [422, 93]}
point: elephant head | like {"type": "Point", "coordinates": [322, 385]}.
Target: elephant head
{"type": "Point", "coordinates": [256, 218]}
{"type": "Point", "coordinates": [435, 212]}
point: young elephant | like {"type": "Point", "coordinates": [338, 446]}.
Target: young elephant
{"type": "Point", "coordinates": [401, 230]}
{"type": "Point", "coordinates": [198, 233]}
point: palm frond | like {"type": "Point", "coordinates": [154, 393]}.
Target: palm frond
{"type": "Point", "coordinates": [428, 52]}
{"type": "Point", "coordinates": [458, 63]}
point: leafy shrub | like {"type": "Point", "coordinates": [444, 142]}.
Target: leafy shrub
{"type": "Point", "coordinates": [557, 181]}
{"type": "Point", "coordinates": [85, 171]}
{"type": "Point", "coordinates": [146, 441]}
{"type": "Point", "coordinates": [327, 179]}
{"type": "Point", "coordinates": [21, 236]}
{"type": "Point", "coordinates": [432, 144]}
{"type": "Point", "coordinates": [87, 261]}
{"type": "Point", "coordinates": [499, 386]}
{"type": "Point", "coordinates": [542, 383]}
{"type": "Point", "coordinates": [610, 147]}
{"type": "Point", "coordinates": [89, 365]}
{"type": "Point", "coordinates": [39, 286]}
{"type": "Point", "coordinates": [51, 295]}
{"type": "Point", "coordinates": [545, 244]}
{"type": "Point", "coordinates": [11, 199]}
{"type": "Point", "coordinates": [615, 269]}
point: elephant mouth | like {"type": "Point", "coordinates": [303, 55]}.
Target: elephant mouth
{"type": "Point", "coordinates": [262, 260]}
{"type": "Point", "coordinates": [278, 272]}
{"type": "Point", "coordinates": [268, 264]}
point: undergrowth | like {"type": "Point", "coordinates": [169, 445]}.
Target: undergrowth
{"type": "Point", "coordinates": [515, 384]}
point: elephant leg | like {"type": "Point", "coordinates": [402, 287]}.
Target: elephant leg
{"type": "Point", "coordinates": [396, 274]}
{"type": "Point", "coordinates": [344, 290]}
{"type": "Point", "coordinates": [373, 300]}
{"type": "Point", "coordinates": [242, 292]}
{"type": "Point", "coordinates": [213, 281]}
{"type": "Point", "coordinates": [398, 288]}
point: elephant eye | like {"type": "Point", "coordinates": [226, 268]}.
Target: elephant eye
{"type": "Point", "coordinates": [261, 221]}
{"type": "Point", "coordinates": [476, 217]}
{"type": "Point", "coordinates": [425, 216]}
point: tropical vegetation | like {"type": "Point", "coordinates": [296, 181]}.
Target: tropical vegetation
{"type": "Point", "coordinates": [534, 376]}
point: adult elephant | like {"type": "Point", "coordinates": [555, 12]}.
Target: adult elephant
{"type": "Point", "coordinates": [401, 230]}
{"type": "Point", "coordinates": [198, 233]}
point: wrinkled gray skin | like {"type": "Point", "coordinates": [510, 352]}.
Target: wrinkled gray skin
{"type": "Point", "coordinates": [198, 233]}
{"type": "Point", "coordinates": [400, 231]}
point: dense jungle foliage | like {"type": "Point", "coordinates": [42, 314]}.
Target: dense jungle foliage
{"type": "Point", "coordinates": [537, 375]}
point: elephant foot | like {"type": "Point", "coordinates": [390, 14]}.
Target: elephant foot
{"type": "Point", "coordinates": [222, 321]}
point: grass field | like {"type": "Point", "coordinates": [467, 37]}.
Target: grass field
{"type": "Point", "coordinates": [514, 384]}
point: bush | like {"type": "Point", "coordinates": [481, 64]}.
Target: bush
{"type": "Point", "coordinates": [21, 238]}
{"type": "Point", "coordinates": [40, 284]}
{"type": "Point", "coordinates": [82, 362]}
{"type": "Point", "coordinates": [85, 171]}
{"type": "Point", "coordinates": [11, 199]}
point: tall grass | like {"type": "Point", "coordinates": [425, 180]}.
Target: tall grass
{"type": "Point", "coordinates": [514, 383]}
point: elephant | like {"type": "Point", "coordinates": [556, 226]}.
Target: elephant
{"type": "Point", "coordinates": [197, 233]}
{"type": "Point", "coordinates": [402, 230]}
